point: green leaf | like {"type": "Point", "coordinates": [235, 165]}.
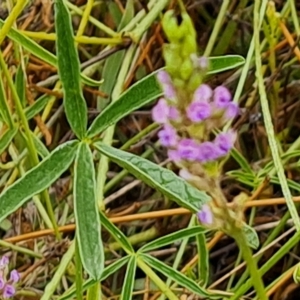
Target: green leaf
{"type": "Point", "coordinates": [251, 236]}
{"type": "Point", "coordinates": [32, 110]}
{"type": "Point", "coordinates": [224, 63]}
{"type": "Point", "coordinates": [242, 161]}
{"type": "Point", "coordinates": [127, 289]}
{"type": "Point", "coordinates": [6, 138]}
{"type": "Point", "coordinates": [69, 71]}
{"type": "Point", "coordinates": [88, 226]}
{"type": "Point", "coordinates": [117, 234]}
{"type": "Point", "coordinates": [111, 269]}
{"type": "Point", "coordinates": [171, 238]}
{"type": "Point", "coordinates": [165, 181]}
{"type": "Point", "coordinates": [37, 179]}
{"type": "Point", "coordinates": [40, 147]}
{"type": "Point", "coordinates": [40, 52]}
{"type": "Point", "coordinates": [203, 259]}
{"type": "Point", "coordinates": [175, 275]}
{"type": "Point", "coordinates": [141, 93]}
{"type": "Point", "coordinates": [4, 108]}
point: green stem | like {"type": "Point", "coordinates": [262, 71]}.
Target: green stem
{"type": "Point", "coordinates": [251, 264]}
{"type": "Point", "coordinates": [30, 145]}
{"type": "Point", "coordinates": [156, 280]}
{"type": "Point", "coordinates": [217, 27]}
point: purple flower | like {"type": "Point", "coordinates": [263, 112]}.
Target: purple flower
{"type": "Point", "coordinates": [173, 113]}
{"type": "Point", "coordinates": [224, 141]}
{"type": "Point", "coordinates": [8, 291]}
{"type": "Point", "coordinates": [169, 91]}
{"type": "Point", "coordinates": [168, 136]}
{"type": "Point", "coordinates": [205, 215]}
{"type": "Point", "coordinates": [208, 151]}
{"type": "Point", "coordinates": [160, 111]}
{"type": "Point", "coordinates": [14, 276]}
{"type": "Point", "coordinates": [198, 111]}
{"type": "Point", "coordinates": [2, 283]}
{"type": "Point", "coordinates": [163, 77]}
{"type": "Point", "coordinates": [174, 155]}
{"type": "Point", "coordinates": [231, 111]}
{"type": "Point", "coordinates": [203, 93]}
{"type": "Point", "coordinates": [188, 149]}
{"type": "Point", "coordinates": [221, 97]}
{"type": "Point", "coordinates": [4, 261]}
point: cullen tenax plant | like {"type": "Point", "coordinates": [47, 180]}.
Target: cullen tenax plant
{"type": "Point", "coordinates": [192, 115]}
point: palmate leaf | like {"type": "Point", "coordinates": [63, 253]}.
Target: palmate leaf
{"type": "Point", "coordinates": [129, 279]}
{"type": "Point", "coordinates": [88, 226]}
{"type": "Point", "coordinates": [37, 179]}
{"type": "Point", "coordinates": [69, 71]}
{"type": "Point", "coordinates": [175, 275]}
{"type": "Point", "coordinates": [165, 181]}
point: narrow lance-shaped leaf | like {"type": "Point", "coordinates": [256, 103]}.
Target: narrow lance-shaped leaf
{"type": "Point", "coordinates": [157, 177]}
{"type": "Point", "coordinates": [141, 93]}
{"type": "Point", "coordinates": [224, 63]}
{"type": "Point", "coordinates": [176, 276]}
{"type": "Point", "coordinates": [69, 71]}
{"type": "Point", "coordinates": [126, 293]}
{"type": "Point", "coordinates": [172, 238]}
{"type": "Point", "coordinates": [109, 270]}
{"type": "Point", "coordinates": [37, 179]}
{"type": "Point", "coordinates": [87, 218]}
{"type": "Point", "coordinates": [117, 234]}
{"type": "Point", "coordinates": [6, 138]}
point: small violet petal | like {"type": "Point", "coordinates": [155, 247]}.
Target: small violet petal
{"type": "Point", "coordinates": [188, 149]}
{"type": "Point", "coordinates": [205, 215]}
{"type": "Point", "coordinates": [225, 141]}
{"type": "Point", "coordinates": [8, 291]}
{"type": "Point", "coordinates": [160, 111]}
{"type": "Point", "coordinates": [208, 151]}
{"type": "Point", "coordinates": [163, 77]}
{"type": "Point", "coordinates": [169, 91]}
{"type": "Point", "coordinates": [198, 111]}
{"type": "Point", "coordinates": [14, 276]}
{"type": "Point", "coordinates": [168, 136]}
{"type": "Point", "coordinates": [174, 155]}
{"type": "Point", "coordinates": [173, 113]}
{"type": "Point", "coordinates": [231, 111]}
{"type": "Point", "coordinates": [221, 97]}
{"type": "Point", "coordinates": [4, 261]}
{"type": "Point", "coordinates": [2, 283]}
{"type": "Point", "coordinates": [203, 93]}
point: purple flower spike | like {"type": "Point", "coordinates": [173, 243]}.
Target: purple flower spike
{"type": "Point", "coordinates": [174, 155]}
{"type": "Point", "coordinates": [14, 276]}
{"type": "Point", "coordinates": [225, 141]}
{"type": "Point", "coordinates": [163, 77]}
{"type": "Point", "coordinates": [208, 151]}
{"type": "Point", "coordinates": [198, 111]}
{"type": "Point", "coordinates": [8, 291]}
{"type": "Point", "coordinates": [221, 97]}
{"type": "Point", "coordinates": [188, 149]}
{"type": "Point", "coordinates": [4, 261]}
{"type": "Point", "coordinates": [203, 93]}
{"type": "Point", "coordinates": [168, 136]}
{"type": "Point", "coordinates": [205, 215]}
{"type": "Point", "coordinates": [173, 113]}
{"type": "Point", "coordinates": [2, 283]}
{"type": "Point", "coordinates": [231, 111]}
{"type": "Point", "coordinates": [160, 111]}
